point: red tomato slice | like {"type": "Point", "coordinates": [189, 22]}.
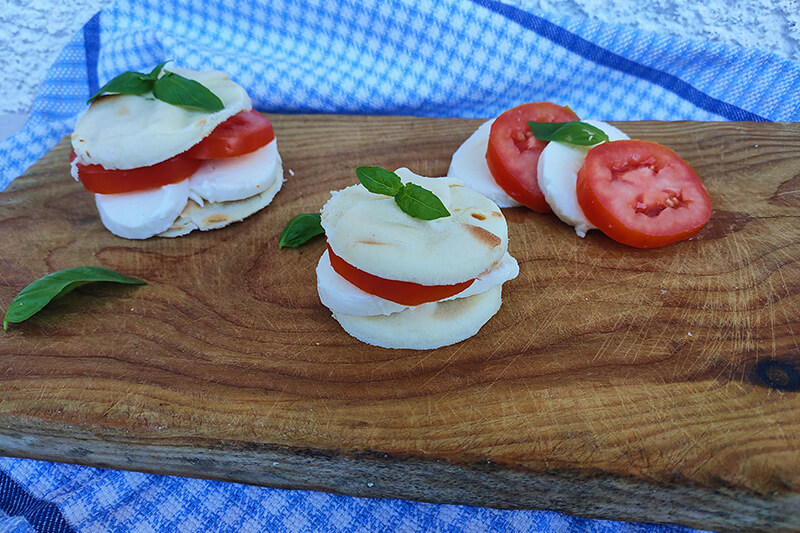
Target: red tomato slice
{"type": "Point", "coordinates": [513, 151]}
{"type": "Point", "coordinates": [642, 194]}
{"type": "Point", "coordinates": [241, 134]}
{"type": "Point", "coordinates": [97, 179]}
{"type": "Point", "coordinates": [402, 292]}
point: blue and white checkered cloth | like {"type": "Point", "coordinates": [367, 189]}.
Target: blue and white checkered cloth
{"type": "Point", "coordinates": [468, 58]}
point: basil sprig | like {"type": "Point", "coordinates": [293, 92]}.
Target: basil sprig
{"type": "Point", "coordinates": [130, 83]}
{"type": "Point", "coordinates": [573, 132]}
{"type": "Point", "coordinates": [170, 87]}
{"type": "Point", "coordinates": [41, 292]}
{"type": "Point", "coordinates": [412, 199]}
{"type": "Point", "coordinates": [301, 229]}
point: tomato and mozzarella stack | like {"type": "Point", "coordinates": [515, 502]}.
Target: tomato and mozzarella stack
{"type": "Point", "coordinates": [638, 193]}
{"type": "Point", "coordinates": [557, 174]}
{"type": "Point", "coordinates": [400, 282]}
{"type": "Point", "coordinates": [166, 170]}
{"type": "Point", "coordinates": [499, 159]}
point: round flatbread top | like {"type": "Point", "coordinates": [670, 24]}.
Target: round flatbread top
{"type": "Point", "coordinates": [370, 232]}
{"type": "Point", "coordinates": [124, 131]}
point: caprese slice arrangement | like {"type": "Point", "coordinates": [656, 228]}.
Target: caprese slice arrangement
{"type": "Point", "coordinates": [173, 151]}
{"type": "Point", "coordinates": [588, 173]}
{"type": "Point", "coordinates": [419, 271]}
{"type": "Point", "coordinates": [411, 262]}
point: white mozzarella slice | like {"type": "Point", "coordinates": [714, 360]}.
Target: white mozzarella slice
{"type": "Point", "coordinates": [341, 296]}
{"type": "Point", "coordinates": [469, 165]}
{"type": "Point", "coordinates": [236, 178]}
{"type": "Point", "coordinates": [125, 131]}
{"type": "Point", "coordinates": [557, 173]}
{"type": "Point", "coordinates": [142, 214]}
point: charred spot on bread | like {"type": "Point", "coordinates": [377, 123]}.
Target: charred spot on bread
{"type": "Point", "coordinates": [484, 236]}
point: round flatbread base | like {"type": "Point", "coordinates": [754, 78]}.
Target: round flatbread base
{"type": "Point", "coordinates": [425, 326]}
{"type": "Point", "coordinates": [217, 215]}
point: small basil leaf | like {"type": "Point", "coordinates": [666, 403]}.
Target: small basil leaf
{"type": "Point", "coordinates": [125, 83]}
{"type": "Point", "coordinates": [544, 130]}
{"type": "Point", "coordinates": [574, 132]}
{"type": "Point", "coordinates": [300, 229]}
{"type": "Point", "coordinates": [176, 90]}
{"type": "Point", "coordinates": [156, 71]}
{"type": "Point", "coordinates": [419, 202]}
{"type": "Point", "coordinates": [41, 292]}
{"type": "Point", "coordinates": [379, 180]}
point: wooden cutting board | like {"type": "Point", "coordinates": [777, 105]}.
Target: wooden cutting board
{"type": "Point", "coordinates": [618, 383]}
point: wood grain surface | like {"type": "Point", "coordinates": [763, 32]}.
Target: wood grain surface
{"type": "Point", "coordinates": [655, 385]}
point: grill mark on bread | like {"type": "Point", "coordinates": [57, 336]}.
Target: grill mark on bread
{"type": "Point", "coordinates": [484, 236]}
{"type": "Point", "coordinates": [372, 242]}
{"type": "Point", "coordinates": [215, 219]}
{"type": "Point", "coordinates": [479, 216]}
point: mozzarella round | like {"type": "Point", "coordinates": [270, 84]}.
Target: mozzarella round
{"type": "Point", "coordinates": [370, 232]}
{"type": "Point", "coordinates": [124, 131]}
{"type": "Point", "coordinates": [236, 178]}
{"type": "Point", "coordinates": [142, 214]}
{"type": "Point", "coordinates": [557, 173]}
{"type": "Point", "coordinates": [469, 165]}
{"type": "Point", "coordinates": [341, 296]}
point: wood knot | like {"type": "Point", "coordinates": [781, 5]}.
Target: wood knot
{"type": "Point", "coordinates": [788, 193]}
{"type": "Point", "coordinates": [778, 375]}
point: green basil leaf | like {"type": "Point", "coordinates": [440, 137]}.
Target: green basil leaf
{"type": "Point", "coordinates": [176, 90]}
{"type": "Point", "coordinates": [574, 132]}
{"type": "Point", "coordinates": [41, 292]}
{"type": "Point", "coordinates": [544, 130]}
{"type": "Point", "coordinates": [125, 83]}
{"type": "Point", "coordinates": [419, 202]}
{"type": "Point", "coordinates": [157, 70]}
{"type": "Point", "coordinates": [300, 229]}
{"type": "Point", "coordinates": [379, 180]}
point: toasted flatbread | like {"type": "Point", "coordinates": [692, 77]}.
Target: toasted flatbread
{"type": "Point", "coordinates": [127, 131]}
{"type": "Point", "coordinates": [426, 326]}
{"type": "Point", "coordinates": [370, 232]}
{"type": "Point", "coordinates": [217, 215]}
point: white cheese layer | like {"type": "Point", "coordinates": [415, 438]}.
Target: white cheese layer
{"type": "Point", "coordinates": [341, 296]}
{"type": "Point", "coordinates": [469, 165]}
{"type": "Point", "coordinates": [124, 131]}
{"type": "Point", "coordinates": [236, 178]}
{"type": "Point", "coordinates": [142, 214]}
{"type": "Point", "coordinates": [557, 173]}
{"type": "Point", "coordinates": [371, 232]}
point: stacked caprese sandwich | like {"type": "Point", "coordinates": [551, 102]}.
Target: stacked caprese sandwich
{"type": "Point", "coordinates": [157, 168]}
{"type": "Point", "coordinates": [396, 281]}
{"type": "Point", "coordinates": [591, 175]}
